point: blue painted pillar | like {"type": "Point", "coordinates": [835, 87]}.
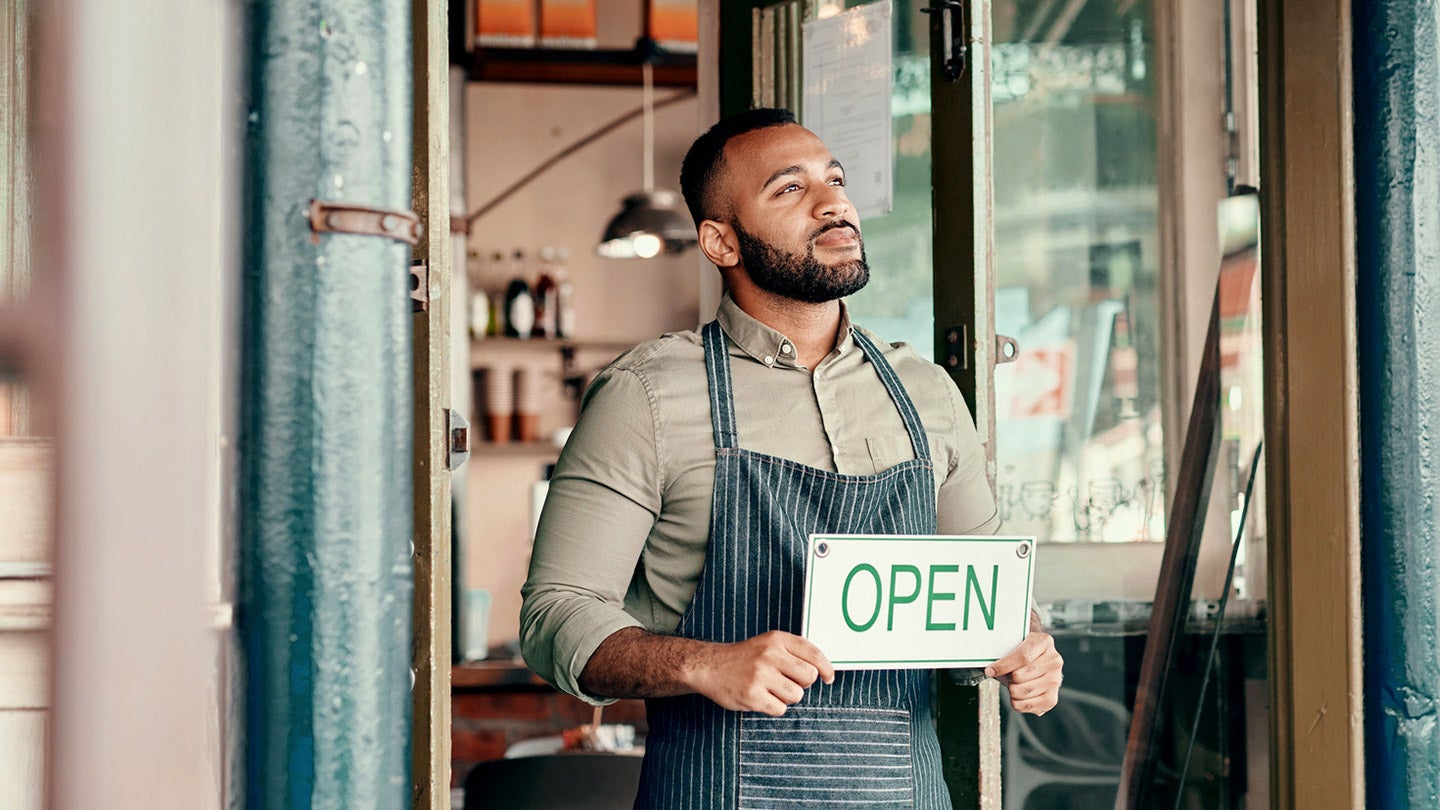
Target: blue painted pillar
{"type": "Point", "coordinates": [1397, 196]}
{"type": "Point", "coordinates": [325, 482]}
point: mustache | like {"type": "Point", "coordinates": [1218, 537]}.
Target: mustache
{"type": "Point", "coordinates": [830, 226]}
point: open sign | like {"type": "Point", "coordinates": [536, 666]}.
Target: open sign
{"type": "Point", "coordinates": [917, 602]}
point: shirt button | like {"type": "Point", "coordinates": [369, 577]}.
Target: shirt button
{"type": "Point", "coordinates": [784, 348]}
{"type": "Point", "coordinates": [769, 361]}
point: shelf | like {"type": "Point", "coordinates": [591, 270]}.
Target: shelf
{"type": "Point", "coordinates": [552, 343]}
{"type": "Point", "coordinates": [576, 66]}
{"type": "Point", "coordinates": [493, 672]}
{"type": "Point", "coordinates": [565, 348]}
{"type": "Point", "coordinates": [517, 449]}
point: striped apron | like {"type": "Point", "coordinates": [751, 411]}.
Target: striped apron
{"type": "Point", "coordinates": [868, 740]}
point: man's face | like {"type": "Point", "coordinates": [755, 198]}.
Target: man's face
{"type": "Point", "coordinates": [798, 235]}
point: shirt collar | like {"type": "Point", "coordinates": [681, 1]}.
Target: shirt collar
{"type": "Point", "coordinates": [768, 346]}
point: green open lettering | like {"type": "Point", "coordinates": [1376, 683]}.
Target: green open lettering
{"type": "Point", "coordinates": [941, 596]}
{"type": "Point", "coordinates": [845, 597]}
{"type": "Point", "coordinates": [895, 597]}
{"type": "Point", "coordinates": [972, 579]}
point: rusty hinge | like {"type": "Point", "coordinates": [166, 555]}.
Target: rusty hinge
{"type": "Point", "coordinates": [957, 354]}
{"type": "Point", "coordinates": [459, 431]}
{"type": "Point", "coordinates": [363, 220]}
{"type": "Point", "coordinates": [419, 285]}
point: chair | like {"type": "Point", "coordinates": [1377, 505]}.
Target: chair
{"type": "Point", "coordinates": [1086, 746]}
{"type": "Point", "coordinates": [579, 781]}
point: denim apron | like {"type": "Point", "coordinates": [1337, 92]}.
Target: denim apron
{"type": "Point", "coordinates": [868, 740]}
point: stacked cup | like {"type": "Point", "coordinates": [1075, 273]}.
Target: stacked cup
{"type": "Point", "coordinates": [499, 402]}
{"type": "Point", "coordinates": [527, 404]}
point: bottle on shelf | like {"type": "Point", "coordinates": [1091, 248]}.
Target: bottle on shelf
{"type": "Point", "coordinates": [564, 296]}
{"type": "Point", "coordinates": [496, 294]}
{"type": "Point", "coordinates": [479, 301]}
{"type": "Point", "coordinates": [519, 305]}
{"type": "Point", "coordinates": [546, 306]}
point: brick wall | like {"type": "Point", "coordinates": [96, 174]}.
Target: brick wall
{"type": "Point", "coordinates": [486, 721]}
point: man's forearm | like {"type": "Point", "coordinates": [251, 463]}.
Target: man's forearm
{"type": "Point", "coordinates": [764, 673]}
{"type": "Point", "coordinates": [635, 663]}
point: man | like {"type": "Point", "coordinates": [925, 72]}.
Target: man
{"type": "Point", "coordinates": [669, 561]}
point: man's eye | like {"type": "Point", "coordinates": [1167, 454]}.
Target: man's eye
{"type": "Point", "coordinates": [838, 181]}
{"type": "Point", "coordinates": [790, 187]}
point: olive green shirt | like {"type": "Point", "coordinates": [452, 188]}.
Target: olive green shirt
{"type": "Point", "coordinates": [623, 534]}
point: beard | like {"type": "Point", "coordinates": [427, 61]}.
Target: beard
{"type": "Point", "coordinates": [801, 277]}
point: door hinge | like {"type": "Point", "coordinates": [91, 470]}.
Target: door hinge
{"type": "Point", "coordinates": [949, 16]}
{"type": "Point", "coordinates": [458, 430]}
{"type": "Point", "coordinates": [419, 285]}
{"type": "Point", "coordinates": [956, 340]}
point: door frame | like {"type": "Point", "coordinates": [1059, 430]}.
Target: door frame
{"type": "Point", "coordinates": [433, 611]}
{"type": "Point", "coordinates": [1307, 199]}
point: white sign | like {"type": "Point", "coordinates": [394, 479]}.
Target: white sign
{"type": "Point", "coordinates": [845, 62]}
{"type": "Point", "coordinates": [917, 602]}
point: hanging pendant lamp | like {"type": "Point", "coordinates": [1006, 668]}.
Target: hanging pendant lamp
{"type": "Point", "coordinates": [649, 222]}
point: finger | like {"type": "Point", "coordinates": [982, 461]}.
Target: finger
{"type": "Point", "coordinates": [787, 692]}
{"type": "Point", "coordinates": [1036, 705]}
{"type": "Point", "coordinates": [1007, 665]}
{"type": "Point", "coordinates": [1035, 645]}
{"type": "Point", "coordinates": [1031, 689]}
{"type": "Point", "coordinates": [803, 649]}
{"type": "Point", "coordinates": [771, 705]}
{"type": "Point", "coordinates": [798, 670]}
{"type": "Point", "coordinates": [1048, 665]}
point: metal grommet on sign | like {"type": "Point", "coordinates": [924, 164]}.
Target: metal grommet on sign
{"type": "Point", "coordinates": [1023, 550]}
{"type": "Point", "coordinates": [822, 548]}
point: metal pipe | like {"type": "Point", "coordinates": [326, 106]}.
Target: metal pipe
{"type": "Point", "coordinates": [325, 481]}
{"type": "Point", "coordinates": [1397, 224]}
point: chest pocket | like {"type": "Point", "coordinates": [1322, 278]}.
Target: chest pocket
{"type": "Point", "coordinates": [887, 451]}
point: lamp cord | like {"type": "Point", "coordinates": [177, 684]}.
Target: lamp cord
{"type": "Point", "coordinates": [647, 102]}
{"type": "Point", "coordinates": [549, 162]}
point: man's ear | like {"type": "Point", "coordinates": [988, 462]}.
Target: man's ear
{"type": "Point", "coordinates": [718, 243]}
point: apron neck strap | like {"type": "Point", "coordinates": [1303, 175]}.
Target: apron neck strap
{"type": "Point", "coordinates": [722, 403]}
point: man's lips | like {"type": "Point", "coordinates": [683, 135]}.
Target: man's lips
{"type": "Point", "coordinates": [837, 236]}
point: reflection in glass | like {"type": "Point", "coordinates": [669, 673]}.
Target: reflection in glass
{"type": "Point", "coordinates": [1079, 438]}
{"type": "Point", "coordinates": [897, 304]}
{"type": "Point", "coordinates": [1242, 407]}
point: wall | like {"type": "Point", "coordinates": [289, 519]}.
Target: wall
{"type": "Point", "coordinates": [1397, 245]}
{"type": "Point", "coordinates": [510, 129]}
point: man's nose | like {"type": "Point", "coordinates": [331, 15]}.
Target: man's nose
{"type": "Point", "coordinates": [833, 203]}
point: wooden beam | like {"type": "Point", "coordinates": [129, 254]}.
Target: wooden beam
{"type": "Point", "coordinates": [430, 761]}
{"type": "Point", "coordinates": [1311, 429]}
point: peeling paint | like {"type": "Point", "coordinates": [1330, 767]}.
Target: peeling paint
{"type": "Point", "coordinates": [325, 489]}
{"type": "Point", "coordinates": [1397, 192]}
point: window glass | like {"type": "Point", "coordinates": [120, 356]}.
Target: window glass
{"type": "Point", "coordinates": [1079, 438]}
{"type": "Point", "coordinates": [897, 303]}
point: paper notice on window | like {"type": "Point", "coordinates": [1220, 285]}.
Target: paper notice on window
{"type": "Point", "coordinates": [845, 61]}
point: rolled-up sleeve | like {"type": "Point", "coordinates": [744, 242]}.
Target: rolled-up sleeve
{"type": "Point", "coordinates": [602, 504]}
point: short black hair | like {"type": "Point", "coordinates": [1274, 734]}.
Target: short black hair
{"type": "Point", "coordinates": [702, 162]}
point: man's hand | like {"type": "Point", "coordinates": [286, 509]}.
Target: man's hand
{"type": "Point", "coordinates": [766, 673]}
{"type": "Point", "coordinates": [1033, 672]}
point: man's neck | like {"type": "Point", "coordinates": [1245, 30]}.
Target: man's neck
{"type": "Point", "coordinates": [811, 327]}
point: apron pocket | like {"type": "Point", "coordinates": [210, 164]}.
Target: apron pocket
{"type": "Point", "coordinates": [823, 756]}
